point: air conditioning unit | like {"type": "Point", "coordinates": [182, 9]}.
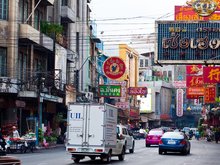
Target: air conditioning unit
{"type": "Point", "coordinates": [89, 96]}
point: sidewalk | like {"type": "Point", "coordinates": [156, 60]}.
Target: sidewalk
{"type": "Point", "coordinates": [50, 147]}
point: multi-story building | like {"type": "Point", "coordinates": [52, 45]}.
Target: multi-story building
{"type": "Point", "coordinates": [155, 107]}
{"type": "Point", "coordinates": [128, 104]}
{"type": "Point", "coordinates": [40, 48]}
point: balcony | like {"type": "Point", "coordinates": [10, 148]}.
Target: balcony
{"type": "Point", "coordinates": [68, 15]}
{"type": "Point", "coordinates": [28, 34]}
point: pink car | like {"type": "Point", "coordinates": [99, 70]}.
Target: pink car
{"type": "Point", "coordinates": [153, 137]}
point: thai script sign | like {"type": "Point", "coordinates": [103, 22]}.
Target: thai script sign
{"type": "Point", "coordinates": [179, 102]}
{"type": "Point", "coordinates": [187, 13]}
{"type": "Point", "coordinates": [114, 67]}
{"type": "Point", "coordinates": [211, 74]}
{"type": "Point", "coordinates": [187, 42]}
{"type": "Point", "coordinates": [179, 84]}
{"type": "Point", "coordinates": [137, 91]}
{"type": "Point", "coordinates": [122, 105]}
{"type": "Point", "coordinates": [110, 90]}
{"type": "Point", "coordinates": [194, 92]}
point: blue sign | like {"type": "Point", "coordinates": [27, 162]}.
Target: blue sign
{"type": "Point", "coordinates": [180, 42]}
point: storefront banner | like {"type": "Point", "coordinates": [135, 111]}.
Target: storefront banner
{"type": "Point", "coordinates": [211, 75]}
{"type": "Point", "coordinates": [210, 94]}
{"type": "Point", "coordinates": [194, 70]}
{"type": "Point", "coordinates": [179, 102]}
{"type": "Point", "coordinates": [122, 105]}
{"type": "Point", "coordinates": [194, 92]}
{"type": "Point", "coordinates": [137, 91]}
{"type": "Point", "coordinates": [110, 90]}
{"type": "Point", "coordinates": [179, 84]}
{"type": "Point", "coordinates": [194, 81]}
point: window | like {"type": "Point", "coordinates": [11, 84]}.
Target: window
{"type": "Point", "coordinates": [37, 18]}
{"type": "Point", "coordinates": [3, 61]}
{"type": "Point", "coordinates": [22, 62]}
{"type": "Point", "coordinates": [64, 2]}
{"type": "Point", "coordinates": [170, 75]}
{"type": "Point", "coordinates": [4, 9]}
{"type": "Point", "coordinates": [77, 8]}
{"type": "Point", "coordinates": [146, 63]}
{"type": "Point", "coordinates": [77, 42]}
{"type": "Point", "coordinates": [141, 63]}
{"type": "Point", "coordinates": [23, 7]}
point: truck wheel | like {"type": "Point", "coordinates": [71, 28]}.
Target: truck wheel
{"type": "Point", "coordinates": [92, 157]}
{"type": "Point", "coordinates": [121, 157]}
{"type": "Point", "coordinates": [109, 157]}
{"type": "Point", "coordinates": [132, 150]}
{"type": "Point", "coordinates": [76, 160]}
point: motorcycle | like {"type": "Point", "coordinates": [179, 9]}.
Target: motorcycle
{"type": "Point", "coordinates": [2, 148]}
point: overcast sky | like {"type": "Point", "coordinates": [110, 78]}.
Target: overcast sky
{"type": "Point", "coordinates": [130, 19]}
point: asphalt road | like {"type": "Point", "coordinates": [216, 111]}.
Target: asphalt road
{"type": "Point", "coordinates": [202, 153]}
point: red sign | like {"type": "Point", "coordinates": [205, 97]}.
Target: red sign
{"type": "Point", "coordinates": [194, 70]}
{"type": "Point", "coordinates": [179, 102]}
{"type": "Point", "coordinates": [187, 13]}
{"type": "Point", "coordinates": [194, 81]}
{"type": "Point", "coordinates": [211, 74]}
{"type": "Point", "coordinates": [137, 91]}
{"type": "Point", "coordinates": [194, 92]}
{"type": "Point", "coordinates": [114, 67]}
{"type": "Point", "coordinates": [210, 94]}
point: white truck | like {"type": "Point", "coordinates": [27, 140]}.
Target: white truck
{"type": "Point", "coordinates": [92, 132]}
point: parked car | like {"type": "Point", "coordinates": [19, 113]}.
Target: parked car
{"type": "Point", "coordinates": [174, 142]}
{"type": "Point", "coordinates": [138, 133]}
{"type": "Point", "coordinates": [153, 137]}
{"type": "Point", "coordinates": [129, 141]}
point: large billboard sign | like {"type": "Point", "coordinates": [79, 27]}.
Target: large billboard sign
{"type": "Point", "coordinates": [187, 42]}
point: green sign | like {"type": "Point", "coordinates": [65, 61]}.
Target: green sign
{"type": "Point", "coordinates": [110, 90]}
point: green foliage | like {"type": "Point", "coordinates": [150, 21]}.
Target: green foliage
{"type": "Point", "coordinates": [51, 138]}
{"type": "Point", "coordinates": [40, 135]}
{"type": "Point", "coordinates": [50, 28]}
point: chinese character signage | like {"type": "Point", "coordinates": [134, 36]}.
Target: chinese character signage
{"type": "Point", "coordinates": [194, 81]}
{"type": "Point", "coordinates": [179, 102]}
{"type": "Point", "coordinates": [194, 70]}
{"type": "Point", "coordinates": [110, 90]}
{"type": "Point", "coordinates": [137, 91]}
{"type": "Point", "coordinates": [210, 94]}
{"type": "Point", "coordinates": [211, 74]}
{"type": "Point", "coordinates": [179, 84]}
{"type": "Point", "coordinates": [187, 42]}
{"type": "Point", "coordinates": [114, 67]}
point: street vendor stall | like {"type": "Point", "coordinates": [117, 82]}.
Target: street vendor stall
{"type": "Point", "coordinates": [22, 144]}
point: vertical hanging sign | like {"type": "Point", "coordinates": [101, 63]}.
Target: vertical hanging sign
{"type": "Point", "coordinates": [179, 102]}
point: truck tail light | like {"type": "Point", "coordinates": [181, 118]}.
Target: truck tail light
{"type": "Point", "coordinates": [71, 149]}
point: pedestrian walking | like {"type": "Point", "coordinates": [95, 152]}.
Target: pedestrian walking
{"type": "Point", "coordinates": [217, 135]}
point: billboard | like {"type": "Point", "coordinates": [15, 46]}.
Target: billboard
{"type": "Point", "coordinates": [146, 102]}
{"type": "Point", "coordinates": [187, 13]}
{"type": "Point", "coordinates": [187, 42]}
